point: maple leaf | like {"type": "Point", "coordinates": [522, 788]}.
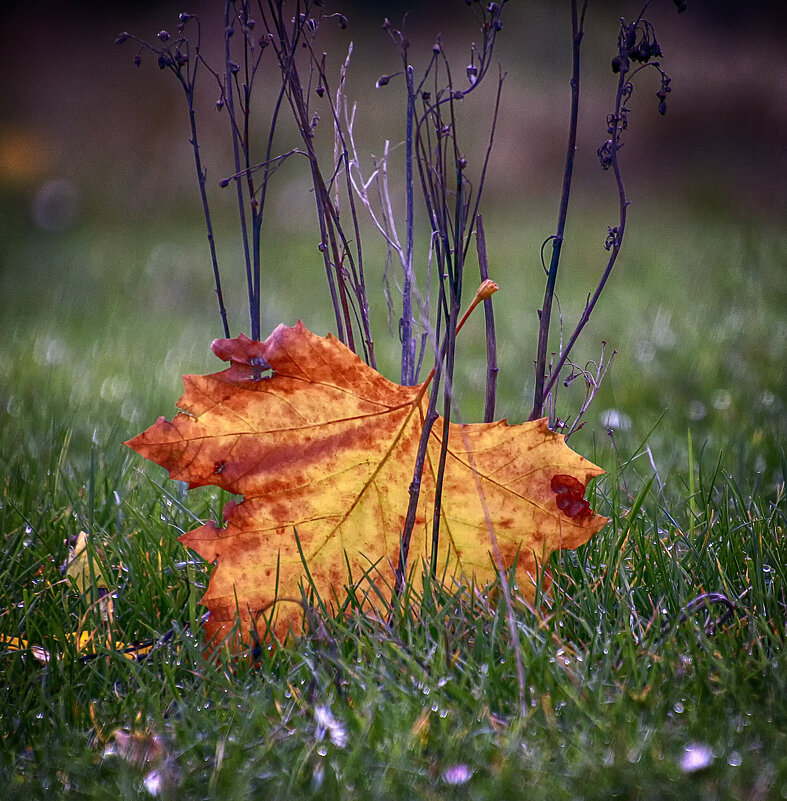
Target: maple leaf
{"type": "Point", "coordinates": [322, 448]}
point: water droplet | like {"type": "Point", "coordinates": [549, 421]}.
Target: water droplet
{"type": "Point", "coordinates": [721, 400]}
{"type": "Point", "coordinates": [645, 351]}
{"type": "Point", "coordinates": [697, 410]}
{"type": "Point", "coordinates": [734, 759]}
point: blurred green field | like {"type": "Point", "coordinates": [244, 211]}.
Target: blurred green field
{"type": "Point", "coordinates": [99, 323]}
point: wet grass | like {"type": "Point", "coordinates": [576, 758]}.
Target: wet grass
{"type": "Point", "coordinates": [655, 668]}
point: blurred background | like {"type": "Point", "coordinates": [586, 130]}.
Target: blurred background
{"type": "Point", "coordinates": [106, 292]}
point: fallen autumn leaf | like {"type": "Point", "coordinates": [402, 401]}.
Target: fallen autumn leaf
{"type": "Point", "coordinates": [324, 446]}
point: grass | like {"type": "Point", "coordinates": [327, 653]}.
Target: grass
{"type": "Point", "coordinates": [634, 688]}
{"type": "Point", "coordinates": [624, 680]}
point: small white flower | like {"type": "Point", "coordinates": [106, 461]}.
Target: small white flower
{"type": "Point", "coordinates": [153, 782]}
{"type": "Point", "coordinates": [328, 724]}
{"type": "Point", "coordinates": [612, 418]}
{"type": "Point", "coordinates": [457, 774]}
{"type": "Point", "coordinates": [697, 756]}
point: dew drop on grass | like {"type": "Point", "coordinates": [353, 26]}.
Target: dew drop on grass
{"type": "Point", "coordinates": [721, 400]}
{"type": "Point", "coordinates": [734, 759]}
{"type": "Point", "coordinates": [322, 750]}
{"type": "Point", "coordinates": [14, 406]}
{"type": "Point", "coordinates": [697, 411]}
{"type": "Point", "coordinates": [678, 708]}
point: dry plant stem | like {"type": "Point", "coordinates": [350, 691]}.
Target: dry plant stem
{"type": "Point", "coordinates": [187, 83]}
{"type": "Point", "coordinates": [489, 320]}
{"type": "Point", "coordinates": [545, 313]}
{"type": "Point", "coordinates": [408, 342]}
{"type": "Point", "coordinates": [335, 247]}
{"type": "Point", "coordinates": [342, 167]}
{"type": "Point", "coordinates": [592, 386]}
{"type": "Point", "coordinates": [229, 99]}
{"type": "Point", "coordinates": [486, 290]}
{"type": "Point", "coordinates": [451, 331]}
{"type": "Point", "coordinates": [618, 239]}
{"type": "Point", "coordinates": [286, 50]}
{"type": "Point", "coordinates": [206, 208]}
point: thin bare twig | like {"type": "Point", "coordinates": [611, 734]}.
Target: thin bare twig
{"type": "Point", "coordinates": [489, 320]}
{"type": "Point", "coordinates": [545, 313]}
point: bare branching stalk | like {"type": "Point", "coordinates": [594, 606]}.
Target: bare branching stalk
{"type": "Point", "coordinates": [593, 375]}
{"type": "Point", "coordinates": [545, 313]}
{"type": "Point", "coordinates": [636, 44]}
{"type": "Point", "coordinates": [489, 322]}
{"type": "Point", "coordinates": [432, 140]}
{"type": "Point", "coordinates": [228, 98]}
{"type": "Point", "coordinates": [251, 29]}
{"type": "Point", "coordinates": [182, 58]}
